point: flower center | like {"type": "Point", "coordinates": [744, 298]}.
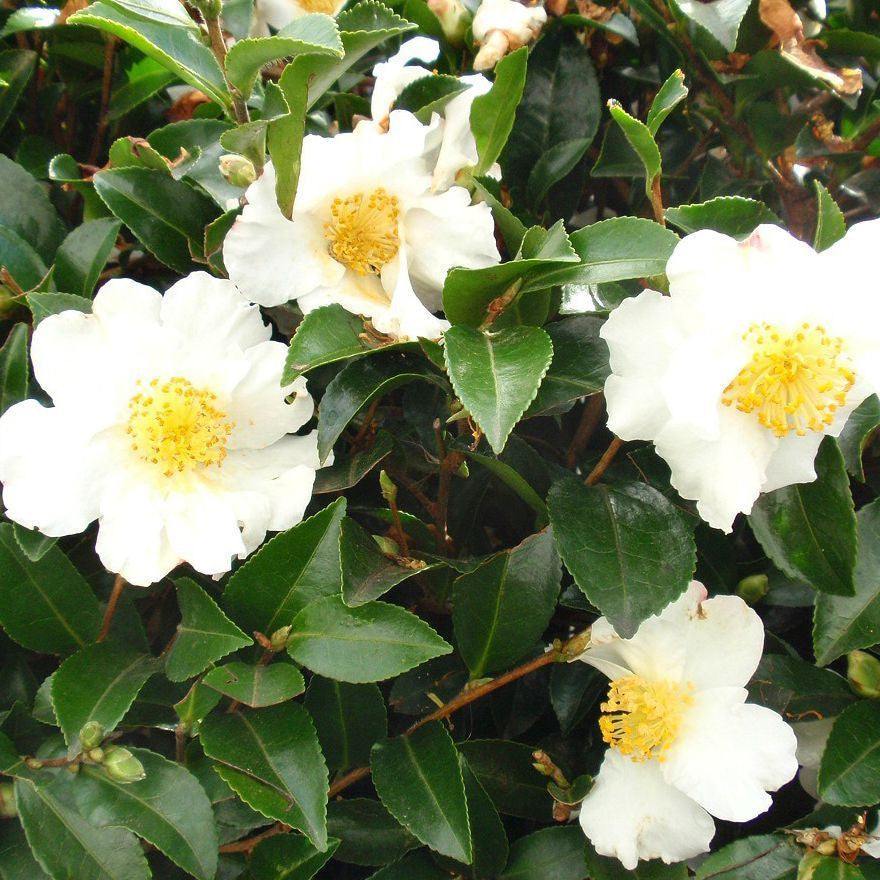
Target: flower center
{"type": "Point", "coordinates": [176, 426]}
{"type": "Point", "coordinates": [362, 231]}
{"type": "Point", "coordinates": [325, 6]}
{"type": "Point", "coordinates": [641, 718]}
{"type": "Point", "coordinates": [794, 382]}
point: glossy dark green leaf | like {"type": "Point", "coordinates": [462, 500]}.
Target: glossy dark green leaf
{"type": "Point", "coordinates": [830, 222]}
{"type": "Point", "coordinates": [20, 260]}
{"type": "Point", "coordinates": [369, 643]}
{"type": "Point", "coordinates": [45, 605]}
{"type": "Point", "coordinates": [98, 683]}
{"type": "Point", "coordinates": [16, 68]}
{"type": "Point", "coordinates": [419, 780]}
{"type": "Point", "coordinates": [732, 215]}
{"type": "Point", "coordinates": [26, 210]}
{"type": "Point", "coordinates": [553, 166]}
{"type": "Point", "coordinates": [369, 834]}
{"type": "Point", "coordinates": [502, 608]}
{"type": "Point", "coordinates": [83, 254]}
{"type": "Point", "coordinates": [17, 862]}
{"type": "Point", "coordinates": [849, 774]}
{"type": "Point", "coordinates": [764, 857]}
{"type": "Point", "coordinates": [604, 868]}
{"type": "Point", "coordinates": [288, 857]}
{"type": "Point", "coordinates": [627, 547]}
{"type": "Point", "coordinates": [348, 471]}
{"type": "Point", "coordinates": [809, 529]}
{"type": "Point", "coordinates": [143, 79]}
{"type": "Point", "coordinates": [487, 830]}
{"type": "Point", "coordinates": [168, 808]}
{"type": "Point", "coordinates": [204, 635]}
{"type": "Point", "coordinates": [42, 305]}
{"type": "Point", "coordinates": [860, 428]}
{"type": "Point", "coordinates": [413, 866]}
{"type": "Point", "coordinates": [258, 685]}
{"type": "Point", "coordinates": [293, 569]}
{"type": "Point", "coordinates": [832, 868]}
{"type": "Point", "coordinates": [496, 375]}
{"type": "Point", "coordinates": [429, 95]}
{"type": "Point", "coordinates": [548, 854]}
{"type": "Point", "coordinates": [272, 760]}
{"type": "Point", "coordinates": [14, 367]}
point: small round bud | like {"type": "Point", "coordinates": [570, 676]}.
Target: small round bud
{"type": "Point", "coordinates": [387, 546]}
{"type": "Point", "coordinates": [753, 588]}
{"type": "Point", "coordinates": [209, 8]}
{"type": "Point", "coordinates": [389, 490]}
{"type": "Point", "coordinates": [863, 673]}
{"type": "Point", "coordinates": [33, 763]}
{"type": "Point", "coordinates": [122, 765]}
{"type": "Point", "coordinates": [96, 755]}
{"type": "Point", "coordinates": [7, 801]}
{"type": "Point", "coordinates": [279, 639]}
{"type": "Point", "coordinates": [91, 735]}
{"type": "Point", "coordinates": [238, 170]}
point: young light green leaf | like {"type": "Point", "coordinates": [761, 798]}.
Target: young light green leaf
{"type": "Point", "coordinates": [419, 780]}
{"type": "Point", "coordinates": [849, 774]}
{"type": "Point", "coordinates": [14, 367]}
{"type": "Point", "coordinates": [288, 857]}
{"type": "Point", "coordinates": [369, 834]}
{"type": "Point", "coordinates": [732, 215]}
{"type": "Point", "coordinates": [641, 140]}
{"type": "Point", "coordinates": [830, 222]}
{"type": "Point", "coordinates": [293, 569]}
{"type": "Point", "coordinates": [83, 254]}
{"type": "Point", "coordinates": [497, 375]}
{"type": "Point", "coordinates": [670, 95]}
{"type": "Point", "coordinates": [204, 635]}
{"type": "Point", "coordinates": [272, 760]}
{"type": "Point", "coordinates": [256, 686]}
{"type": "Point", "coordinates": [369, 643]}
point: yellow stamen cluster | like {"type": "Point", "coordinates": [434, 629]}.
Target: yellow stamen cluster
{"type": "Point", "coordinates": [325, 6]}
{"type": "Point", "coordinates": [177, 427]}
{"type": "Point", "coordinates": [362, 232]}
{"type": "Point", "coordinates": [642, 718]}
{"type": "Point", "coordinates": [794, 381]}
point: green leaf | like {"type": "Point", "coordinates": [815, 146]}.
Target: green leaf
{"type": "Point", "coordinates": [19, 259]}
{"type": "Point", "coordinates": [310, 34]}
{"type": "Point", "coordinates": [548, 854]}
{"type": "Point", "coordinates": [429, 95]}
{"type": "Point", "coordinates": [167, 215]}
{"type": "Point", "coordinates": [849, 775]}
{"type": "Point", "coordinates": [369, 834]}
{"type": "Point", "coordinates": [640, 139]}
{"type": "Point", "coordinates": [832, 868]}
{"type": "Point", "coordinates": [168, 808]}
{"type": "Point", "coordinates": [66, 845]}
{"type": "Point", "coordinates": [26, 210]}
{"type": "Point", "coordinates": [579, 367]}
{"type": "Point", "coordinates": [764, 857]}
{"type": "Point", "coordinates": [367, 573]}
{"type": "Point", "coordinates": [487, 831]}
{"type": "Point", "coordinates": [16, 68]}
{"type": "Point", "coordinates": [355, 386]}
{"type": "Point", "coordinates": [45, 606]}
{"type": "Point", "coordinates": [33, 544]}
{"type": "Point", "coordinates": [98, 683]}
{"type": "Point", "coordinates": [14, 367]}
{"type": "Point", "coordinates": [272, 760]}
{"type": "Point", "coordinates": [809, 529]}
{"type": "Point", "coordinates": [369, 643]}
{"type": "Point", "coordinates": [17, 862]}
{"type": "Point", "coordinates": [293, 569]}
{"type": "Point", "coordinates": [627, 547]}
{"type": "Point", "coordinates": [163, 31]}
{"type": "Point", "coordinates": [514, 481]}
{"type": "Point", "coordinates": [830, 222]}
{"type": "Point", "coordinates": [496, 375]}
{"type": "Point", "coordinates": [348, 472]}
{"type": "Point", "coordinates": [492, 114]}
{"type": "Point", "coordinates": [349, 718]}
{"type": "Point", "coordinates": [502, 608]}
{"type": "Point", "coordinates": [257, 686]}
{"type": "Point", "coordinates": [722, 19]}
{"type": "Point", "coordinates": [602, 868]}
{"type": "Point", "coordinates": [419, 780]}
{"type": "Point", "coordinates": [733, 215]}
{"type": "Point", "coordinates": [83, 254]}
{"type": "Point", "coordinates": [553, 166]}
{"type": "Point", "coordinates": [860, 428]}
{"type": "Point", "coordinates": [144, 78]}
{"type": "Point", "coordinates": [671, 93]}
{"type": "Point", "coordinates": [417, 865]}
{"type": "Point", "coordinates": [288, 857]}
{"type": "Point", "coordinates": [204, 635]}
{"type": "Point", "coordinates": [505, 770]}
{"type": "Point", "coordinates": [42, 305]}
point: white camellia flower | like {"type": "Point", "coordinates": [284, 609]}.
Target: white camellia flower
{"type": "Point", "coordinates": [684, 744]}
{"type": "Point", "coordinates": [455, 145]}
{"type": "Point", "coordinates": [280, 13]}
{"type": "Point", "coordinates": [762, 348]}
{"type": "Point", "coordinates": [500, 26]}
{"type": "Point", "coordinates": [367, 231]}
{"type": "Point", "coordinates": [169, 427]}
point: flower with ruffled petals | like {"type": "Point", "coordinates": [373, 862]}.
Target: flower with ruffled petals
{"type": "Point", "coordinates": [762, 348]}
{"type": "Point", "coordinates": [169, 427]}
{"type": "Point", "coordinates": [683, 743]}
{"type": "Point", "coordinates": [500, 26]}
{"type": "Point", "coordinates": [367, 232]}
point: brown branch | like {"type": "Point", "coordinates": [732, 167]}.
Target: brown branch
{"type": "Point", "coordinates": [101, 130]}
{"type": "Point", "coordinates": [112, 602]}
{"type": "Point", "coordinates": [590, 418]}
{"type": "Point", "coordinates": [604, 462]}
{"type": "Point", "coordinates": [218, 47]}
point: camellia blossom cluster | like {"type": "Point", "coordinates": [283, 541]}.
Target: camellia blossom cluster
{"type": "Point", "coordinates": [683, 743]}
{"type": "Point", "coordinates": [762, 348]}
{"type": "Point", "coordinates": [169, 427]}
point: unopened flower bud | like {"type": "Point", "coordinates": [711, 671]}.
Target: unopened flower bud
{"type": "Point", "coordinates": [7, 801]}
{"type": "Point", "coordinates": [753, 588]}
{"type": "Point", "coordinates": [279, 639]}
{"type": "Point", "coordinates": [122, 765]}
{"type": "Point", "coordinates": [863, 673]}
{"type": "Point", "coordinates": [454, 17]}
{"type": "Point", "coordinates": [500, 26]}
{"type": "Point", "coordinates": [238, 170]}
{"type": "Point", "coordinates": [91, 735]}
{"type": "Point", "coordinates": [386, 485]}
{"type": "Point", "coordinates": [388, 546]}
{"type": "Point", "coordinates": [96, 755]}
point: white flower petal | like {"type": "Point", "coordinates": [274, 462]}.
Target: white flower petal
{"type": "Point", "coordinates": [631, 813]}
{"type": "Point", "coordinates": [458, 149]}
{"type": "Point", "coordinates": [793, 461]}
{"type": "Point", "coordinates": [406, 317]}
{"type": "Point", "coordinates": [729, 754]}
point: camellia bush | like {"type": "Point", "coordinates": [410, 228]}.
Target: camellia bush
{"type": "Point", "coordinates": [437, 440]}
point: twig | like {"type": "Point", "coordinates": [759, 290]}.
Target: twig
{"type": "Point", "coordinates": [590, 418]}
{"type": "Point", "coordinates": [101, 130]}
{"type": "Point", "coordinates": [604, 462]}
{"type": "Point", "coordinates": [218, 47]}
{"type": "Point", "coordinates": [112, 602]}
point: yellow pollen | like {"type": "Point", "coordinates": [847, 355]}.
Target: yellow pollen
{"type": "Point", "coordinates": [362, 231]}
{"type": "Point", "coordinates": [177, 427]}
{"type": "Point", "coordinates": [325, 6]}
{"type": "Point", "coordinates": [794, 381]}
{"type": "Point", "coordinates": [642, 718]}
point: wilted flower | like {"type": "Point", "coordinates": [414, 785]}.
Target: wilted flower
{"type": "Point", "coordinates": [169, 427]}
{"type": "Point", "coordinates": [683, 743]}
{"type": "Point", "coordinates": [763, 348]}
{"type": "Point", "coordinates": [367, 231]}
{"type": "Point", "coordinates": [500, 26]}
